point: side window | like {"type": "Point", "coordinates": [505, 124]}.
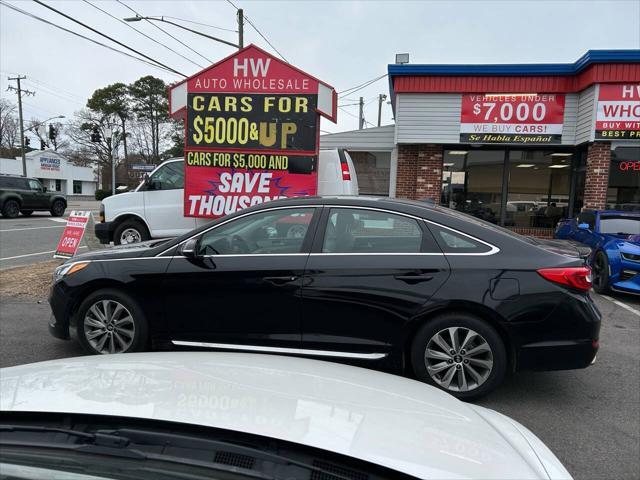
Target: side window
{"type": "Point", "coordinates": [271, 232]}
{"type": "Point", "coordinates": [588, 218]}
{"type": "Point", "coordinates": [35, 185]}
{"type": "Point", "coordinates": [369, 231]}
{"type": "Point", "coordinates": [451, 241]}
{"type": "Point", "coordinates": [167, 177]}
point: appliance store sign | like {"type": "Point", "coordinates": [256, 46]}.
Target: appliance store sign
{"type": "Point", "coordinates": [50, 164]}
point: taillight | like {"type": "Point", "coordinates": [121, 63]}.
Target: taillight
{"type": "Point", "coordinates": [346, 175]}
{"type": "Point", "coordinates": [575, 277]}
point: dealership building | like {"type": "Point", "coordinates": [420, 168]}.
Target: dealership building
{"type": "Point", "coordinates": [55, 171]}
{"type": "Point", "coordinates": [518, 145]}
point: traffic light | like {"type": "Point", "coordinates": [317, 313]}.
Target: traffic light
{"type": "Point", "coordinates": [95, 135]}
{"type": "Point", "coordinates": [27, 141]}
{"type": "Point", "coordinates": [42, 145]}
{"type": "Point", "coordinates": [52, 132]}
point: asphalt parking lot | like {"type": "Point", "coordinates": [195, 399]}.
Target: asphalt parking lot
{"type": "Point", "coordinates": [27, 240]}
{"type": "Point", "coordinates": [582, 415]}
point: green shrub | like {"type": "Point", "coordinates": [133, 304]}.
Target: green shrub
{"type": "Point", "coordinates": [102, 194]}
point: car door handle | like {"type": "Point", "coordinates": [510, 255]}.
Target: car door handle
{"type": "Point", "coordinates": [278, 281]}
{"type": "Point", "coordinates": [414, 278]}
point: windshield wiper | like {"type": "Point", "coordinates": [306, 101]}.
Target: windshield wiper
{"type": "Point", "coordinates": [98, 438]}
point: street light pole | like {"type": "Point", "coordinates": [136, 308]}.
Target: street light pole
{"type": "Point", "coordinates": [240, 29]}
{"type": "Point", "coordinates": [137, 18]}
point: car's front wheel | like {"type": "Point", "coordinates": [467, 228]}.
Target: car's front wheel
{"type": "Point", "coordinates": [110, 321]}
{"type": "Point", "coordinates": [58, 208]}
{"type": "Point", "coordinates": [130, 231]}
{"type": "Point", "coordinates": [459, 353]}
{"type": "Point", "coordinates": [600, 273]}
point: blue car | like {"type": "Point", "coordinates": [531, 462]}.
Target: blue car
{"type": "Point", "coordinates": [614, 238]}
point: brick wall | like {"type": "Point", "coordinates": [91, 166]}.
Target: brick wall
{"type": "Point", "coordinates": [597, 175]}
{"type": "Point", "coordinates": [419, 172]}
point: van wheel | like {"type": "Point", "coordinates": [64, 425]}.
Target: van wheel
{"type": "Point", "coordinates": [460, 354]}
{"type": "Point", "coordinates": [11, 209]}
{"type": "Point", "coordinates": [26, 213]}
{"type": "Point", "coordinates": [109, 321]}
{"type": "Point", "coordinates": [130, 231]}
{"type": "Point", "coordinates": [58, 208]}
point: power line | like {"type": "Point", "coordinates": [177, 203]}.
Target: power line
{"type": "Point", "coordinates": [202, 24]}
{"type": "Point", "coordinates": [164, 31]}
{"type": "Point", "coordinates": [106, 36]}
{"type": "Point", "coordinates": [352, 90]}
{"type": "Point", "coordinates": [40, 83]}
{"type": "Point", "coordinates": [259, 32]}
{"type": "Point", "coordinates": [19, 10]}
{"type": "Point", "coordinates": [142, 33]}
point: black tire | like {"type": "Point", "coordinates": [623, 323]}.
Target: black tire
{"type": "Point", "coordinates": [460, 363]}
{"type": "Point", "coordinates": [133, 229]}
{"type": "Point", "coordinates": [600, 273]}
{"type": "Point", "coordinates": [26, 213]}
{"type": "Point", "coordinates": [57, 208]}
{"type": "Point", "coordinates": [135, 343]}
{"type": "Point", "coordinates": [11, 209]}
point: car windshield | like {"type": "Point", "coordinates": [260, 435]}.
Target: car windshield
{"type": "Point", "coordinates": [620, 225]}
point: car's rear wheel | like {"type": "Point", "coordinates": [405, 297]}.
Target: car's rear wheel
{"type": "Point", "coordinates": [10, 209]}
{"type": "Point", "coordinates": [26, 213]}
{"type": "Point", "coordinates": [58, 208]}
{"type": "Point", "coordinates": [459, 353]}
{"type": "Point", "coordinates": [600, 273]}
{"type": "Point", "coordinates": [110, 321]}
{"type": "Point", "coordinates": [130, 231]}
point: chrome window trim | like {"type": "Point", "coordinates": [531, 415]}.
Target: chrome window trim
{"type": "Point", "coordinates": [492, 248]}
{"type": "Point", "coordinates": [293, 351]}
{"type": "Point", "coordinates": [236, 218]}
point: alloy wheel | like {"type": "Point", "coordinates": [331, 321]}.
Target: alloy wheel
{"type": "Point", "coordinates": [58, 209]}
{"type": "Point", "coordinates": [109, 327]}
{"type": "Point", "coordinates": [458, 359]}
{"type": "Point", "coordinates": [130, 235]}
{"type": "Point", "coordinates": [600, 271]}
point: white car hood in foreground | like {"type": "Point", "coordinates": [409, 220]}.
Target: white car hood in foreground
{"type": "Point", "coordinates": [385, 419]}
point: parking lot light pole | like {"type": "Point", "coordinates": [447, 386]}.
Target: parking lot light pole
{"type": "Point", "coordinates": [137, 18]}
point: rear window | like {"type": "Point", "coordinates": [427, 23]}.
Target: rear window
{"type": "Point", "coordinates": [12, 182]}
{"type": "Point", "coordinates": [452, 241]}
{"type": "Point", "coordinates": [620, 225]}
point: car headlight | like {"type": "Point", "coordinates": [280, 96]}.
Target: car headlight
{"type": "Point", "coordinates": [67, 269]}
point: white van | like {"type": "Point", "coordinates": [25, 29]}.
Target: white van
{"type": "Point", "coordinates": [155, 209]}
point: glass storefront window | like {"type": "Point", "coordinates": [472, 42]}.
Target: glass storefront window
{"type": "Point", "coordinates": [373, 170]}
{"type": "Point", "coordinates": [539, 184]}
{"type": "Point", "coordinates": [472, 182]}
{"type": "Point", "coordinates": [624, 179]}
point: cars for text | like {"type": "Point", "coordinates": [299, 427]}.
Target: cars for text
{"type": "Point", "coordinates": [614, 237]}
{"type": "Point", "coordinates": [388, 284]}
{"type": "Point", "coordinates": [233, 416]}
{"type": "Point", "coordinates": [155, 209]}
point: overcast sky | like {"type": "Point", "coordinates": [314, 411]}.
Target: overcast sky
{"type": "Point", "coordinates": [342, 43]}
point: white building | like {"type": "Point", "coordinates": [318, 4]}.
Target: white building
{"type": "Point", "coordinates": [55, 172]}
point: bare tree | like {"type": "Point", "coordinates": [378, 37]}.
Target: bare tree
{"type": "Point", "coordinates": [8, 124]}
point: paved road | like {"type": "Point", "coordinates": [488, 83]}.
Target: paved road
{"type": "Point", "coordinates": [590, 418]}
{"type": "Point", "coordinates": [27, 240]}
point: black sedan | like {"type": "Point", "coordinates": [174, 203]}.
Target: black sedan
{"type": "Point", "coordinates": [389, 284]}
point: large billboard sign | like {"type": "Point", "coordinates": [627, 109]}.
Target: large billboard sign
{"type": "Point", "coordinates": [252, 125]}
{"type": "Point", "coordinates": [527, 119]}
{"type": "Point", "coordinates": [618, 112]}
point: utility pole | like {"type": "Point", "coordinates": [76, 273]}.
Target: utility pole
{"type": "Point", "coordinates": [381, 98]}
{"type": "Point", "coordinates": [361, 114]}
{"type": "Point", "coordinates": [240, 29]}
{"type": "Point", "coordinates": [20, 92]}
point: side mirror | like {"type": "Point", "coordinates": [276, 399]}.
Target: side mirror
{"type": "Point", "coordinates": [44, 189]}
{"type": "Point", "coordinates": [190, 248]}
{"type": "Point", "coordinates": [583, 226]}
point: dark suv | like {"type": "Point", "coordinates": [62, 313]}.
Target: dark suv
{"type": "Point", "coordinates": [26, 195]}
